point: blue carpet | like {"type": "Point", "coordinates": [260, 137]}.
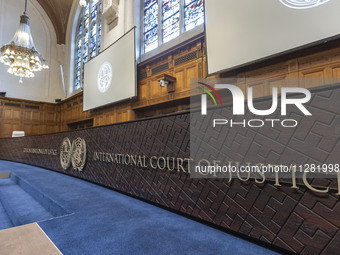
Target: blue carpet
{"type": "Point", "coordinates": [5, 221]}
{"type": "Point", "coordinates": [21, 207]}
{"type": "Point", "coordinates": [89, 219]}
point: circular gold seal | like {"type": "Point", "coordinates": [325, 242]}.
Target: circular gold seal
{"type": "Point", "coordinates": [303, 4]}
{"type": "Point", "coordinates": [78, 157]}
{"type": "Point", "coordinates": [65, 153]}
{"type": "Point", "coordinates": [104, 77]}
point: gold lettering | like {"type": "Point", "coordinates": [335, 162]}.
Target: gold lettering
{"type": "Point", "coordinates": [159, 165]}
{"type": "Point", "coordinates": [199, 164]}
{"type": "Point", "coordinates": [294, 180]}
{"type": "Point", "coordinates": [116, 161]}
{"type": "Point", "coordinates": [120, 158]}
{"type": "Point", "coordinates": [180, 165]}
{"type": "Point", "coordinates": [95, 156]}
{"type": "Point", "coordinates": [133, 160]}
{"type": "Point", "coordinates": [230, 172]}
{"type": "Point", "coordinates": [110, 157]}
{"type": "Point", "coordinates": [276, 176]}
{"type": "Point", "coordinates": [260, 173]}
{"type": "Point", "coordinates": [127, 162]}
{"type": "Point", "coordinates": [188, 160]}
{"type": "Point", "coordinates": [153, 158]}
{"type": "Point", "coordinates": [304, 178]}
{"type": "Point", "coordinates": [215, 165]}
{"type": "Point", "coordinates": [168, 163]}
{"type": "Point", "coordinates": [144, 162]}
{"type": "Point", "coordinates": [139, 162]}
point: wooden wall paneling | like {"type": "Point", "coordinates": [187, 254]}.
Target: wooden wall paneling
{"type": "Point", "coordinates": [293, 71]}
{"type": "Point", "coordinates": [12, 118]}
{"type": "Point", "coordinates": [52, 118]}
{"type": "Point", "coordinates": [98, 121]}
{"type": "Point", "coordinates": [75, 109]}
{"type": "Point", "coordinates": [121, 116]}
{"type": "Point", "coordinates": [191, 72]}
{"type": "Point", "coordinates": [143, 91]}
{"type": "Point", "coordinates": [184, 62]}
{"type": "Point", "coordinates": [260, 88]}
{"type": "Point", "coordinates": [312, 78]}
{"type": "Point", "coordinates": [28, 116]}
{"type": "Point", "coordinates": [335, 72]}
{"type": "Point", "coordinates": [241, 82]}
{"type": "Point", "coordinates": [156, 90]}
{"type": "Point", "coordinates": [279, 82]}
{"type": "Point", "coordinates": [131, 114]}
{"type": "Point", "coordinates": [179, 74]}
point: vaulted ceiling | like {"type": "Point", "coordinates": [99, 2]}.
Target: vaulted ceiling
{"type": "Point", "coordinates": [59, 12]}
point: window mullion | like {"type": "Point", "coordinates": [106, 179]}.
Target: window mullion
{"type": "Point", "coordinates": [97, 28]}
{"type": "Point", "coordinates": [89, 42]}
{"type": "Point", "coordinates": [142, 39]}
{"type": "Point", "coordinates": [82, 49]}
{"type": "Point", "coordinates": [160, 22]}
{"type": "Point", "coordinates": [97, 35]}
{"type": "Point", "coordinates": [181, 16]}
{"type": "Point", "coordinates": [76, 57]}
{"type": "Point", "coordinates": [81, 54]}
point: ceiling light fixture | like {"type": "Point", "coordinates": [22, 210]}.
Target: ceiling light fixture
{"type": "Point", "coordinates": [82, 3]}
{"type": "Point", "coordinates": [20, 54]}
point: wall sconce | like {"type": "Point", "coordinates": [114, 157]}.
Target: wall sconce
{"type": "Point", "coordinates": [167, 81]}
{"type": "Point", "coordinates": [163, 83]}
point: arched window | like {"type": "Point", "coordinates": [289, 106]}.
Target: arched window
{"type": "Point", "coordinates": [165, 20]}
{"type": "Point", "coordinates": [87, 38]}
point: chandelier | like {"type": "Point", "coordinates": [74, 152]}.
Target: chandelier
{"type": "Point", "coordinates": [83, 3]}
{"type": "Point", "coordinates": [20, 54]}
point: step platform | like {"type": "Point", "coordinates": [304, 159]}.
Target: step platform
{"type": "Point", "coordinates": [21, 203]}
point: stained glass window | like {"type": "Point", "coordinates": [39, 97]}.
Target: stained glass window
{"type": "Point", "coordinates": [78, 64]}
{"type": "Point", "coordinates": [87, 14]}
{"type": "Point", "coordinates": [87, 41]}
{"type": "Point", "coordinates": [93, 10]}
{"type": "Point", "coordinates": [80, 27]}
{"type": "Point", "coordinates": [151, 25]}
{"type": "Point", "coordinates": [99, 37]}
{"type": "Point", "coordinates": [93, 41]}
{"type": "Point", "coordinates": [86, 46]}
{"type": "Point", "coordinates": [193, 14]}
{"type": "Point", "coordinates": [170, 19]}
{"type": "Point", "coordinates": [165, 20]}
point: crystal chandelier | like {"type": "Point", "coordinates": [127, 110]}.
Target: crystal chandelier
{"type": "Point", "coordinates": [83, 3]}
{"type": "Point", "coordinates": [20, 54]}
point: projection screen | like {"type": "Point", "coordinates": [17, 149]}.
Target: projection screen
{"type": "Point", "coordinates": [242, 31]}
{"type": "Point", "coordinates": [111, 76]}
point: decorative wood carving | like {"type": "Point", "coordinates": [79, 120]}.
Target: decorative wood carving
{"type": "Point", "coordinates": [111, 11]}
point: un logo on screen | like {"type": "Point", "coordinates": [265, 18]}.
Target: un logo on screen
{"type": "Point", "coordinates": [303, 4]}
{"type": "Point", "coordinates": [74, 153]}
{"type": "Point", "coordinates": [104, 77]}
